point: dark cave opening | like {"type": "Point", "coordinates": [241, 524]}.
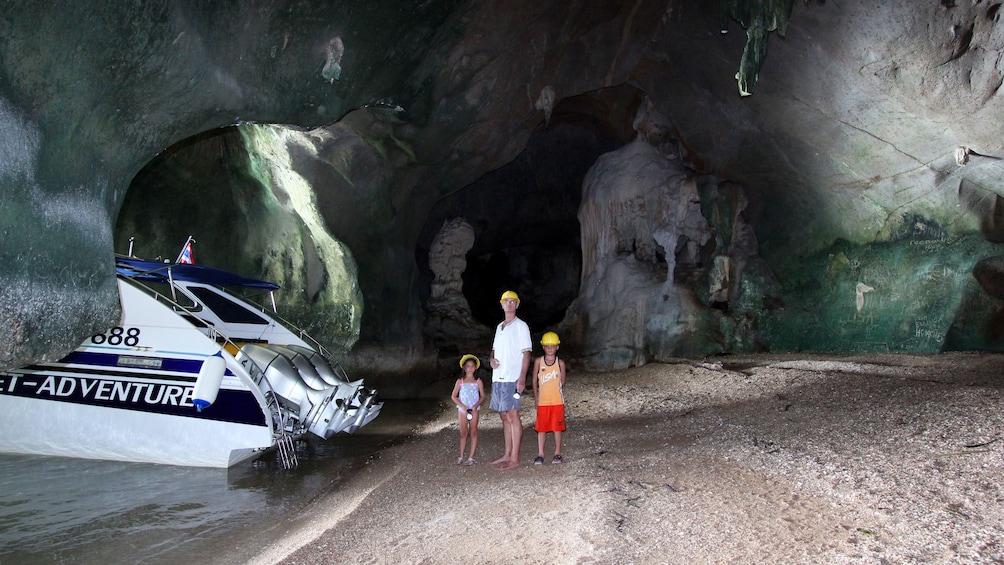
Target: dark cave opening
{"type": "Point", "coordinates": [524, 215]}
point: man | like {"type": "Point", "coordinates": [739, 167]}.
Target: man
{"type": "Point", "coordinates": [510, 360]}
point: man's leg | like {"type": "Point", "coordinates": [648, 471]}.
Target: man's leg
{"type": "Point", "coordinates": [515, 427]}
{"type": "Point", "coordinates": [507, 434]}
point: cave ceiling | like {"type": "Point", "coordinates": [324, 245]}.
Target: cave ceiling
{"type": "Point", "coordinates": [868, 125]}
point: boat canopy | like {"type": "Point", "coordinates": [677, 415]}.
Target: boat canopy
{"type": "Point", "coordinates": [154, 271]}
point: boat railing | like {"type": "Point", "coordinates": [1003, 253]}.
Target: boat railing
{"type": "Point", "coordinates": [273, 313]}
{"type": "Point", "coordinates": [302, 334]}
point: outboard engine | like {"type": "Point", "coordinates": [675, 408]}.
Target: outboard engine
{"type": "Point", "coordinates": [308, 372]}
{"type": "Point", "coordinates": [322, 412]}
{"type": "Point", "coordinates": [283, 378]}
{"type": "Point", "coordinates": [321, 365]}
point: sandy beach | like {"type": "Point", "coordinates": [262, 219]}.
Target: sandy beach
{"type": "Point", "coordinates": [751, 459]}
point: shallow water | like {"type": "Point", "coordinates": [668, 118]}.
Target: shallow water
{"type": "Point", "coordinates": [59, 510]}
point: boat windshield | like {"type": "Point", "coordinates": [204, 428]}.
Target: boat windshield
{"type": "Point", "coordinates": [163, 290]}
{"type": "Point", "coordinates": [229, 311]}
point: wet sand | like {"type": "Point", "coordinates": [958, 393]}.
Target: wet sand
{"type": "Point", "coordinates": [753, 459]}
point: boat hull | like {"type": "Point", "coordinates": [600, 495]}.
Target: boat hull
{"type": "Point", "coordinates": [97, 432]}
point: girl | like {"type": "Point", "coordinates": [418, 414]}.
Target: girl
{"type": "Point", "coordinates": [468, 395]}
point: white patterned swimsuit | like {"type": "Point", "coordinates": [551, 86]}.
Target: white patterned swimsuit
{"type": "Point", "coordinates": [469, 395]}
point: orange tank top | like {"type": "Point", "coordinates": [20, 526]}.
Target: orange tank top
{"type": "Point", "coordinates": [549, 384]}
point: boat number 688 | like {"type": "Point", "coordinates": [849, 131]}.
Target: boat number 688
{"type": "Point", "coordinates": [118, 336]}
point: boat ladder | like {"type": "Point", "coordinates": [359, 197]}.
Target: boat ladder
{"type": "Point", "coordinates": [287, 453]}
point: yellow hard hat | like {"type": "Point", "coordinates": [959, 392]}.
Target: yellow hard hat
{"type": "Point", "coordinates": [509, 294]}
{"type": "Point", "coordinates": [550, 338]}
{"type": "Point", "coordinates": [469, 356]}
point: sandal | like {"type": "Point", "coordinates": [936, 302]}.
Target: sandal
{"type": "Point", "coordinates": [470, 462]}
{"type": "Point", "coordinates": [538, 461]}
{"type": "Point", "coordinates": [557, 460]}
{"type": "Point", "coordinates": [460, 461]}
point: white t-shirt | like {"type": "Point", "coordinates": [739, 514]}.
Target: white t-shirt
{"type": "Point", "coordinates": [509, 346]}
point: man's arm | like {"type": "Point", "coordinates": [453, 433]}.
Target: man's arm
{"type": "Point", "coordinates": [533, 378]}
{"type": "Point", "coordinates": [521, 382]}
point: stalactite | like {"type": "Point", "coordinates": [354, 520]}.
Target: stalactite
{"type": "Point", "coordinates": [758, 18]}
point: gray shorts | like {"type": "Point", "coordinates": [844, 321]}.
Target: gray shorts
{"type": "Point", "coordinates": [502, 400]}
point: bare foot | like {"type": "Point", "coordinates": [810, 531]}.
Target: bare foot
{"type": "Point", "coordinates": [508, 465]}
{"type": "Point", "coordinates": [502, 459]}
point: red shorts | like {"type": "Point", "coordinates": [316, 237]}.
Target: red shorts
{"type": "Point", "coordinates": [550, 418]}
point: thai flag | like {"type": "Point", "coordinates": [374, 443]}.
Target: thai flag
{"type": "Point", "coordinates": [187, 255]}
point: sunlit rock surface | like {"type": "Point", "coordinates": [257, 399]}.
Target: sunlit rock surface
{"type": "Point", "coordinates": [252, 212]}
{"type": "Point", "coordinates": [846, 201]}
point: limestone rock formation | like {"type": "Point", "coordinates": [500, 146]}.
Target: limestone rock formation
{"type": "Point", "coordinates": [448, 314]}
{"type": "Point", "coordinates": [448, 259]}
{"type": "Point", "coordinates": [643, 230]}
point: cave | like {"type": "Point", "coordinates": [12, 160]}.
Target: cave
{"type": "Point", "coordinates": [768, 234]}
{"type": "Point", "coordinates": [524, 214]}
{"type": "Point", "coordinates": [652, 179]}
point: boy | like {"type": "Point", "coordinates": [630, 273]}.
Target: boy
{"type": "Point", "coordinates": [548, 380]}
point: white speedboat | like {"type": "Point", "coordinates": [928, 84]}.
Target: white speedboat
{"type": "Point", "coordinates": [194, 375]}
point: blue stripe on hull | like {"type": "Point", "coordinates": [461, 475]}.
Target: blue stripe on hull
{"type": "Point", "coordinates": [99, 359]}
{"type": "Point", "coordinates": [137, 391]}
